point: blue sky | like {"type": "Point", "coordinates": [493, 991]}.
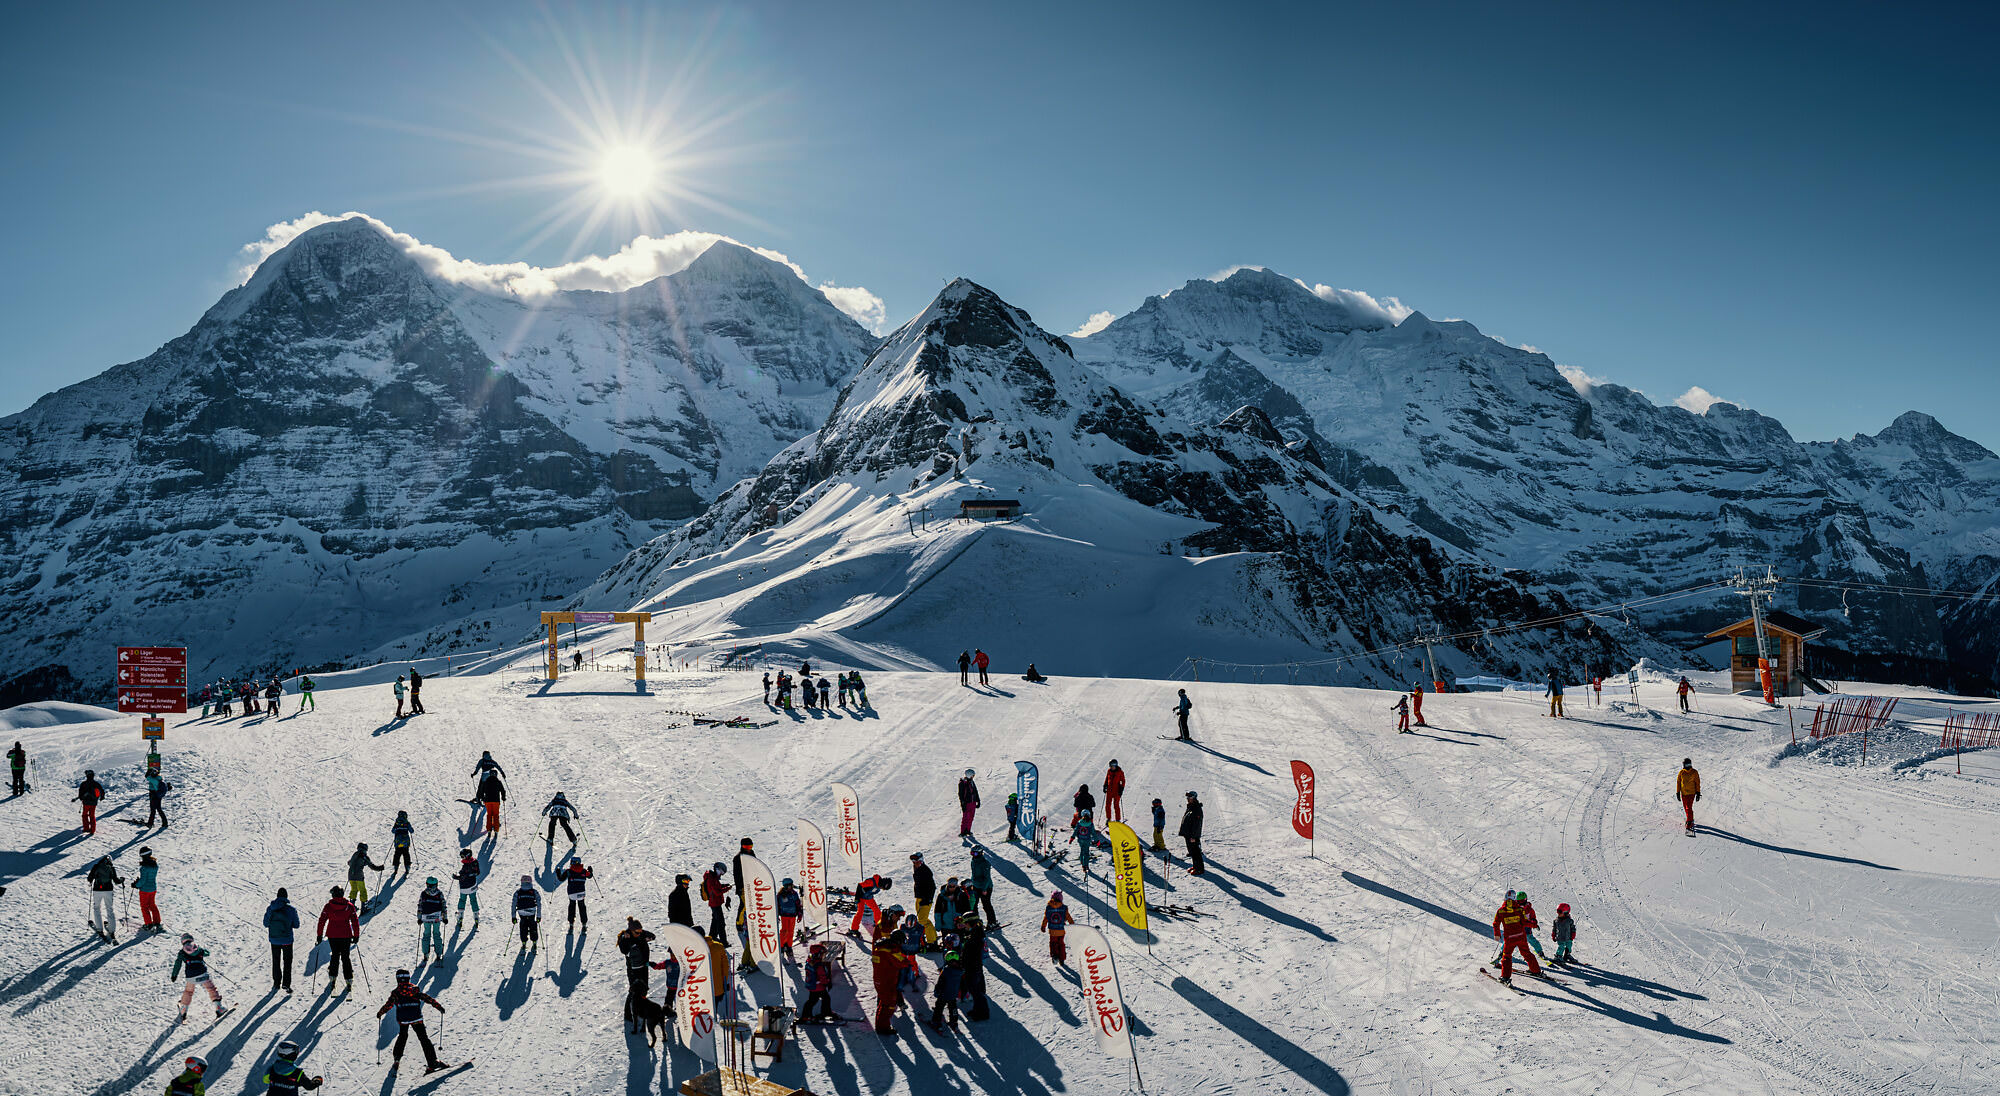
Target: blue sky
{"type": "Point", "coordinates": [1791, 207]}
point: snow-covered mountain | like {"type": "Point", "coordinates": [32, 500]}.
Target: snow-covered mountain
{"type": "Point", "coordinates": [1599, 491]}
{"type": "Point", "coordinates": [971, 399]}
{"type": "Point", "coordinates": [347, 453]}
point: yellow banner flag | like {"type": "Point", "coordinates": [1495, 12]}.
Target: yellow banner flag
{"type": "Point", "coordinates": [1128, 858]}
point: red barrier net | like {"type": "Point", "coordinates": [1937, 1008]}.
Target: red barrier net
{"type": "Point", "coordinates": [1971, 732]}
{"type": "Point", "coordinates": [1850, 714]}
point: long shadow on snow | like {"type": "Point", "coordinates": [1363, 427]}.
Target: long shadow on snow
{"type": "Point", "coordinates": [1218, 865]}
{"type": "Point", "coordinates": [392, 725]}
{"type": "Point", "coordinates": [1469, 924]}
{"type": "Point", "coordinates": [51, 850]}
{"type": "Point", "coordinates": [26, 983]}
{"type": "Point", "coordinates": [1269, 912]}
{"type": "Point", "coordinates": [1459, 730]}
{"type": "Point", "coordinates": [385, 889]}
{"type": "Point", "coordinates": [513, 991]}
{"type": "Point", "coordinates": [1726, 835]}
{"type": "Point", "coordinates": [1598, 976]}
{"type": "Point", "coordinates": [1027, 979]}
{"type": "Point", "coordinates": [225, 1049]}
{"type": "Point", "coordinates": [1656, 1022]}
{"type": "Point", "coordinates": [1282, 1050]}
{"type": "Point", "coordinates": [1434, 738]}
{"type": "Point", "coordinates": [570, 974]}
{"type": "Point", "coordinates": [76, 972]}
{"type": "Point", "coordinates": [1233, 760]}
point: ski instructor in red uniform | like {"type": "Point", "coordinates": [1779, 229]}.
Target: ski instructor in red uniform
{"type": "Point", "coordinates": [1510, 927]}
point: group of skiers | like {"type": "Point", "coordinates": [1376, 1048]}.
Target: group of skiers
{"type": "Point", "coordinates": [415, 693]}
{"type": "Point", "coordinates": [221, 697]}
{"type": "Point", "coordinates": [817, 692]}
{"type": "Point", "coordinates": [1514, 926]}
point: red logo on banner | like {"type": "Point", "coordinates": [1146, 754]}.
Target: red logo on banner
{"type": "Point", "coordinates": [1302, 811]}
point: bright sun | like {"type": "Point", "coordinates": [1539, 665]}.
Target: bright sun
{"type": "Point", "coordinates": [625, 171]}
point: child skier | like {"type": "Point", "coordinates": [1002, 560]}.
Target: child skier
{"type": "Point", "coordinates": [306, 696]}
{"type": "Point", "coordinates": [982, 884]}
{"type": "Point", "coordinates": [1013, 814]}
{"type": "Point", "coordinates": [559, 812]}
{"type": "Point", "coordinates": [193, 961]}
{"type": "Point", "coordinates": [400, 832]}
{"type": "Point", "coordinates": [528, 912]}
{"type": "Point", "coordinates": [1114, 792]}
{"type": "Point", "coordinates": [950, 977]}
{"type": "Point", "coordinates": [399, 696]}
{"type": "Point", "coordinates": [468, 885]}
{"type": "Point", "coordinates": [188, 1082]}
{"type": "Point", "coordinates": [430, 920]}
{"type": "Point", "coordinates": [1056, 920]}
{"type": "Point", "coordinates": [1085, 837]}
{"type": "Point", "coordinates": [790, 907]}
{"type": "Point", "coordinates": [1564, 934]}
{"type": "Point", "coordinates": [819, 983]}
{"type": "Point", "coordinates": [409, 1002]}
{"type": "Point", "coordinates": [357, 878]}
{"type": "Point", "coordinates": [1159, 827]}
{"type": "Point", "coordinates": [285, 1077]}
{"type": "Point", "coordinates": [574, 876]}
{"type": "Point", "coordinates": [148, 886]}
{"type": "Point", "coordinates": [1402, 709]}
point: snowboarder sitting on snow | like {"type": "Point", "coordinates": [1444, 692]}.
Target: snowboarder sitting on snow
{"type": "Point", "coordinates": [194, 962]}
{"type": "Point", "coordinates": [285, 1077]}
{"type": "Point", "coordinates": [1564, 934]}
{"type": "Point", "coordinates": [430, 920]}
{"type": "Point", "coordinates": [1056, 920]}
{"type": "Point", "coordinates": [409, 1002]}
{"type": "Point", "coordinates": [1035, 676]}
{"type": "Point", "coordinates": [528, 912]}
{"type": "Point", "coordinates": [560, 812]}
{"type": "Point", "coordinates": [357, 881]}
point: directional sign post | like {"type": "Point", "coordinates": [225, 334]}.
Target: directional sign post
{"type": "Point", "coordinates": [152, 680]}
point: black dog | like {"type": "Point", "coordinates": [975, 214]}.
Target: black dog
{"type": "Point", "coordinates": [649, 1012]}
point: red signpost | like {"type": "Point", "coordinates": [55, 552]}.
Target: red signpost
{"type": "Point", "coordinates": [152, 680]}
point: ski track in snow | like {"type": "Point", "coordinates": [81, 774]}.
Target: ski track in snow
{"type": "Point", "coordinates": [1829, 930]}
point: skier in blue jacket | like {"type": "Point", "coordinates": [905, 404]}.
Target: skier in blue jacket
{"type": "Point", "coordinates": [281, 920]}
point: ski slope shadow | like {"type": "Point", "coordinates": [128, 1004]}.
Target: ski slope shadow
{"type": "Point", "coordinates": [1269, 912]}
{"type": "Point", "coordinates": [1231, 758]}
{"type": "Point", "coordinates": [514, 989]}
{"type": "Point", "coordinates": [1026, 980]}
{"type": "Point", "coordinates": [1434, 738]}
{"type": "Point", "coordinates": [1216, 865]}
{"type": "Point", "coordinates": [569, 974]}
{"type": "Point", "coordinates": [1598, 976]}
{"type": "Point", "coordinates": [1727, 836]}
{"type": "Point", "coordinates": [1469, 924]}
{"type": "Point", "coordinates": [1658, 1021]}
{"type": "Point", "coordinates": [74, 973]}
{"type": "Point", "coordinates": [1302, 1062]}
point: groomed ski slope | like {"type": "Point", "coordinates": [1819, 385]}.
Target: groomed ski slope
{"type": "Point", "coordinates": [1831, 930]}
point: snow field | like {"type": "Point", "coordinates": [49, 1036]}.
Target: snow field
{"type": "Point", "coordinates": [1830, 929]}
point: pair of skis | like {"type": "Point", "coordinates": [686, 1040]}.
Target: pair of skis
{"type": "Point", "coordinates": [1488, 972]}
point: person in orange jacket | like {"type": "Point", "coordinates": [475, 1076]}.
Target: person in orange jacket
{"type": "Point", "coordinates": [1510, 927]}
{"type": "Point", "coordinates": [1417, 703]}
{"type": "Point", "coordinates": [889, 964]}
{"type": "Point", "coordinates": [1688, 786]}
{"type": "Point", "coordinates": [1114, 790]}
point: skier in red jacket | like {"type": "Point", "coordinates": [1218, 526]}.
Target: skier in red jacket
{"type": "Point", "coordinates": [1510, 927]}
{"type": "Point", "coordinates": [1114, 790]}
{"type": "Point", "coordinates": [340, 927]}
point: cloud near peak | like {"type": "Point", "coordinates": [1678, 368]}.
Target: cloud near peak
{"type": "Point", "coordinates": [638, 262]}
{"type": "Point", "coordinates": [1098, 321]}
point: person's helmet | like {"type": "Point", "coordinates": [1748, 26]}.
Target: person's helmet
{"type": "Point", "coordinates": [402, 814]}
{"type": "Point", "coordinates": [951, 956]}
{"type": "Point", "coordinates": [916, 856]}
{"type": "Point", "coordinates": [719, 868]}
{"type": "Point", "coordinates": [1191, 795]}
{"type": "Point", "coordinates": [288, 1049]}
{"type": "Point", "coordinates": [465, 852]}
{"type": "Point", "coordinates": [1156, 801]}
{"type": "Point", "coordinates": [1084, 814]}
{"type": "Point", "coordinates": [333, 892]}
{"type": "Point", "coordinates": [433, 881]}
{"type": "Point", "coordinates": [682, 878]}
{"type": "Point", "coordinates": [1055, 896]}
{"type": "Point", "coordinates": [187, 938]}
{"type": "Point", "coordinates": [576, 860]}
{"type": "Point", "coordinates": [1564, 908]}
{"type": "Point", "coordinates": [145, 850]}
{"type": "Point", "coordinates": [1012, 796]}
{"type": "Point", "coordinates": [90, 773]}
{"type": "Point", "coordinates": [952, 882]}
{"type": "Point", "coordinates": [816, 950]}
{"type": "Point", "coordinates": [486, 753]}
{"type": "Point", "coordinates": [361, 846]}
{"type": "Point", "coordinates": [968, 774]}
{"type": "Point", "coordinates": [402, 976]}
{"type": "Point", "coordinates": [893, 909]}
{"type": "Point", "coordinates": [979, 854]}
{"type": "Point", "coordinates": [746, 843]}
{"type": "Point", "coordinates": [1521, 894]}
{"type": "Point", "coordinates": [196, 1063]}
{"type": "Point", "coordinates": [527, 880]}
{"type": "Point", "coordinates": [787, 882]}
{"type": "Point", "coordinates": [1687, 761]}
{"type": "Point", "coordinates": [1114, 762]}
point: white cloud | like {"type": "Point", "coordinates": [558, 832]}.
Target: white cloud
{"type": "Point", "coordinates": [1387, 309]}
{"type": "Point", "coordinates": [638, 262]}
{"type": "Point", "coordinates": [1578, 379]}
{"type": "Point", "coordinates": [1223, 274]}
{"type": "Point", "coordinates": [1098, 321]}
{"type": "Point", "coordinates": [1698, 400]}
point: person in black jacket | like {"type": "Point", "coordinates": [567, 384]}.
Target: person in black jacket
{"type": "Point", "coordinates": [409, 1002]}
{"type": "Point", "coordinates": [89, 793]}
{"type": "Point", "coordinates": [416, 692]}
{"type": "Point", "coordinates": [17, 767]}
{"type": "Point", "coordinates": [925, 886]}
{"type": "Point", "coordinates": [528, 912]}
{"type": "Point", "coordinates": [744, 848]}
{"type": "Point", "coordinates": [965, 668]}
{"type": "Point", "coordinates": [1191, 832]}
{"type": "Point", "coordinates": [637, 944]}
{"type": "Point", "coordinates": [680, 904]}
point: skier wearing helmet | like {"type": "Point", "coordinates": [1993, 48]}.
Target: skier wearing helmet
{"type": "Point", "coordinates": [714, 891]}
{"type": "Point", "coordinates": [193, 962]}
{"type": "Point", "coordinates": [1056, 920]}
{"type": "Point", "coordinates": [189, 1082]}
{"type": "Point", "coordinates": [888, 962]}
{"type": "Point", "coordinates": [528, 912]}
{"type": "Point", "coordinates": [968, 803]}
{"type": "Point", "coordinates": [409, 1002]}
{"type": "Point", "coordinates": [1564, 934]}
{"type": "Point", "coordinates": [430, 921]}
{"type": "Point", "coordinates": [285, 1077]}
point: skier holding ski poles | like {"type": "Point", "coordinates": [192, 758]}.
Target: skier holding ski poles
{"type": "Point", "coordinates": [430, 920]}
{"type": "Point", "coordinates": [17, 765]}
{"type": "Point", "coordinates": [194, 962]}
{"type": "Point", "coordinates": [89, 793]}
{"type": "Point", "coordinates": [357, 873]}
{"type": "Point", "coordinates": [409, 1002]}
{"type": "Point", "coordinates": [559, 812]}
{"type": "Point", "coordinates": [103, 906]}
